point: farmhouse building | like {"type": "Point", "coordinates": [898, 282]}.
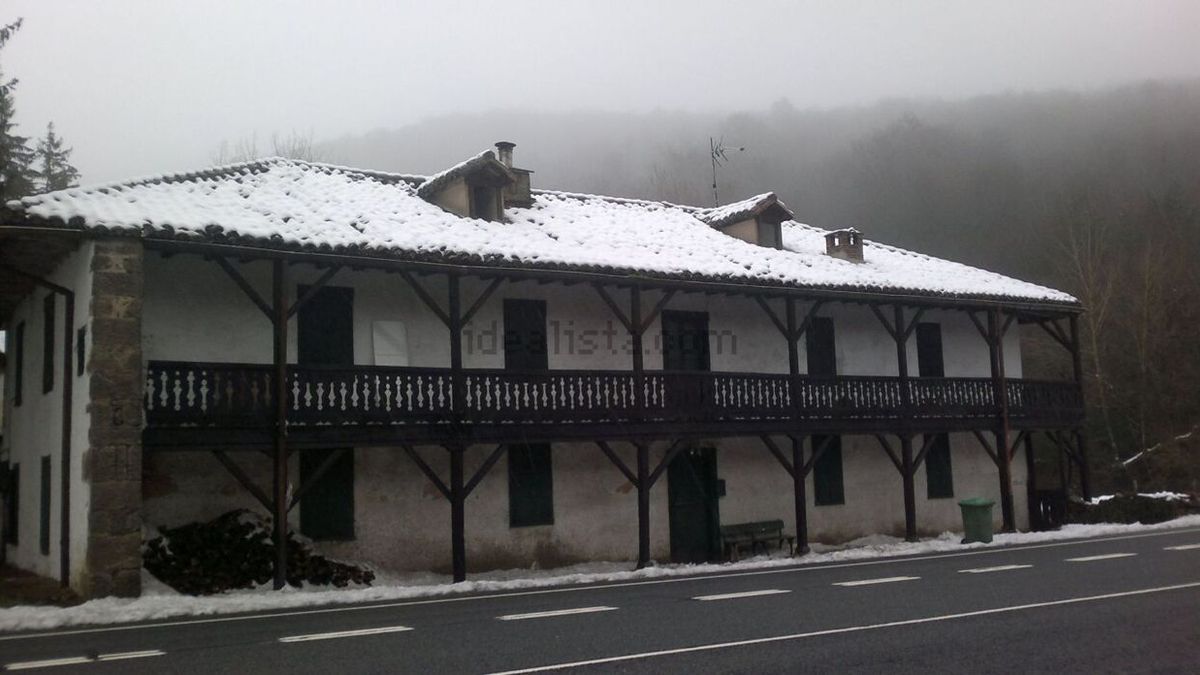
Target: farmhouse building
{"type": "Point", "coordinates": [460, 372]}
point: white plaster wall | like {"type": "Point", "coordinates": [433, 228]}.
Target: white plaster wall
{"type": "Point", "coordinates": [34, 429]}
{"type": "Point", "coordinates": [403, 523]}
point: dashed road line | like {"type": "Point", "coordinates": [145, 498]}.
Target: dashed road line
{"type": "Point", "coordinates": [1185, 547]}
{"type": "Point", "coordinates": [345, 634]}
{"type": "Point", "coordinates": [555, 612]}
{"type": "Point", "coordinates": [79, 660]}
{"type": "Point", "coordinates": [997, 568]}
{"type": "Point", "coordinates": [869, 582]}
{"type": "Point", "coordinates": [745, 594]}
{"type": "Point", "coordinates": [1106, 556]}
{"type": "Point", "coordinates": [847, 629]}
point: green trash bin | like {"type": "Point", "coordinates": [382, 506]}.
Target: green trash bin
{"type": "Point", "coordinates": [977, 519]}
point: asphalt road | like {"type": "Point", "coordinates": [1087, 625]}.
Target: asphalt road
{"type": "Point", "coordinates": [1117, 604]}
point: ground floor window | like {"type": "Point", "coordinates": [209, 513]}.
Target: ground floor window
{"type": "Point", "coordinates": [530, 485]}
{"type": "Point", "coordinates": [12, 499]}
{"type": "Point", "coordinates": [327, 508]}
{"type": "Point", "coordinates": [828, 488]}
{"type": "Point", "coordinates": [939, 479]}
{"type": "Point", "coordinates": [44, 539]}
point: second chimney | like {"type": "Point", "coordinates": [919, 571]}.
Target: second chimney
{"type": "Point", "coordinates": [518, 193]}
{"type": "Point", "coordinates": [504, 152]}
{"type": "Point", "coordinates": [846, 244]}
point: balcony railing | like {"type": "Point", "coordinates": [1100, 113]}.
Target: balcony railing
{"type": "Point", "coordinates": [180, 394]}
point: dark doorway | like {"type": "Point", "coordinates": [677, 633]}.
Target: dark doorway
{"type": "Point", "coordinates": [325, 337]}
{"type": "Point", "coordinates": [685, 349]}
{"type": "Point", "coordinates": [694, 515]}
{"type": "Point", "coordinates": [525, 335]}
{"type": "Point", "coordinates": [930, 361]}
{"type": "Point", "coordinates": [820, 346]}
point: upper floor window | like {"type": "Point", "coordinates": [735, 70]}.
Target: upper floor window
{"type": "Point", "coordinates": [485, 202]}
{"type": "Point", "coordinates": [930, 362]}
{"type": "Point", "coordinates": [48, 344]}
{"type": "Point", "coordinates": [770, 234]}
{"type": "Point", "coordinates": [819, 343]}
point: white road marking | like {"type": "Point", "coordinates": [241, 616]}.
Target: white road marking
{"type": "Point", "coordinates": [344, 634]}
{"type": "Point", "coordinates": [556, 612]}
{"type": "Point", "coordinates": [122, 656]}
{"type": "Point", "coordinates": [868, 582]}
{"type": "Point", "coordinates": [997, 568]}
{"type": "Point", "coordinates": [1185, 547]}
{"type": "Point", "coordinates": [48, 663]}
{"type": "Point", "coordinates": [1106, 556]}
{"type": "Point", "coordinates": [848, 629]}
{"type": "Point", "coordinates": [746, 594]}
{"type": "Point", "coordinates": [793, 569]}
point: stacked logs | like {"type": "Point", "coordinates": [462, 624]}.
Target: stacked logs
{"type": "Point", "coordinates": [234, 550]}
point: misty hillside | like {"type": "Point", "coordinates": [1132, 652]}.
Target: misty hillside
{"type": "Point", "coordinates": [978, 180]}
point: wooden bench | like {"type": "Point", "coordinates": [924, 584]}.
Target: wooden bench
{"type": "Point", "coordinates": [738, 537]}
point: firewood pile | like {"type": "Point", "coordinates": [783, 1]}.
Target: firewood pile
{"type": "Point", "coordinates": [235, 550]}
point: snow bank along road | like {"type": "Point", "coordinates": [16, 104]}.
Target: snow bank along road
{"type": "Point", "coordinates": [1114, 603]}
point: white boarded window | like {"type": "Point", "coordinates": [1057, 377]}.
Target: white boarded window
{"type": "Point", "coordinates": [390, 342]}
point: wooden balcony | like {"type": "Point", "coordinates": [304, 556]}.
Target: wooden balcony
{"type": "Point", "coordinates": [202, 404]}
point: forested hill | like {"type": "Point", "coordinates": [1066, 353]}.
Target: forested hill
{"type": "Point", "coordinates": [1094, 192]}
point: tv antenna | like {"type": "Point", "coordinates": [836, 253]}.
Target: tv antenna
{"type": "Point", "coordinates": [717, 150]}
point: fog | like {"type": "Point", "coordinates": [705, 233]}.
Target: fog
{"type": "Point", "coordinates": [147, 87]}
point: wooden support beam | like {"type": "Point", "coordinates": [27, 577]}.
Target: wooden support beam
{"type": "Point", "coordinates": [783, 461]}
{"type": "Point", "coordinates": [484, 469]}
{"type": "Point", "coordinates": [245, 481]}
{"type": "Point", "coordinates": [1022, 436]}
{"type": "Point", "coordinates": [986, 445]}
{"type": "Point", "coordinates": [926, 444]}
{"type": "Point", "coordinates": [891, 453]}
{"type": "Point", "coordinates": [240, 280]}
{"type": "Point", "coordinates": [425, 297]}
{"type": "Point", "coordinates": [668, 456]}
{"type": "Point", "coordinates": [483, 297]}
{"type": "Point", "coordinates": [1052, 329]}
{"type": "Point", "coordinates": [1008, 322]}
{"type": "Point", "coordinates": [912, 325]}
{"type": "Point", "coordinates": [426, 469]}
{"type": "Point", "coordinates": [983, 331]}
{"type": "Point", "coordinates": [616, 460]}
{"type": "Point", "coordinates": [808, 319]}
{"type": "Point", "coordinates": [280, 460]}
{"type": "Point", "coordinates": [655, 310]}
{"type": "Point", "coordinates": [617, 311]}
{"type": "Point", "coordinates": [887, 325]}
{"type": "Point", "coordinates": [784, 330]}
{"type": "Point", "coordinates": [827, 443]}
{"type": "Point", "coordinates": [312, 290]}
{"type": "Point", "coordinates": [316, 476]}
{"type": "Point", "coordinates": [1002, 447]}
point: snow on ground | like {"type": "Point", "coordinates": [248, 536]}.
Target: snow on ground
{"type": "Point", "coordinates": [1165, 496]}
{"type": "Point", "coordinates": [160, 602]}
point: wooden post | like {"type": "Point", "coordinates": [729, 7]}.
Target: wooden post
{"type": "Point", "coordinates": [454, 324]}
{"type": "Point", "coordinates": [64, 530]}
{"type": "Point", "coordinates": [458, 539]}
{"type": "Point", "coordinates": [799, 476]}
{"type": "Point", "coordinates": [1085, 482]}
{"type": "Point", "coordinates": [906, 449]}
{"type": "Point", "coordinates": [635, 337]}
{"type": "Point", "coordinates": [643, 500]}
{"type": "Point", "coordinates": [1035, 516]}
{"type": "Point", "coordinates": [280, 459]}
{"type": "Point", "coordinates": [1000, 387]}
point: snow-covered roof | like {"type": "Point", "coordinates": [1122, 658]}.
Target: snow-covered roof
{"type": "Point", "coordinates": [294, 205]}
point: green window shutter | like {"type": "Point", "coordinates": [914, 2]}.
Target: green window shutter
{"type": "Point", "coordinates": [18, 353]}
{"type": "Point", "coordinates": [530, 485]}
{"type": "Point", "coordinates": [828, 488]}
{"type": "Point", "coordinates": [939, 479]}
{"type": "Point", "coordinates": [327, 509]}
{"type": "Point", "coordinates": [48, 344]}
{"type": "Point", "coordinates": [12, 499]}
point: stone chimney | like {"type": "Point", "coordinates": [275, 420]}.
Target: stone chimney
{"type": "Point", "coordinates": [846, 244]}
{"type": "Point", "coordinates": [519, 192]}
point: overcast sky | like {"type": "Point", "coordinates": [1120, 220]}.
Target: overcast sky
{"type": "Point", "coordinates": [147, 87]}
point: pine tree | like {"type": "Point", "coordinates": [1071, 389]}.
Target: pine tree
{"type": "Point", "coordinates": [16, 159]}
{"type": "Point", "coordinates": [55, 159]}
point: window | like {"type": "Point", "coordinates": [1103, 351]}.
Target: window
{"type": "Point", "coordinates": [12, 503]}
{"type": "Point", "coordinates": [48, 344]}
{"type": "Point", "coordinates": [44, 538]}
{"type": "Point", "coordinates": [80, 350]}
{"type": "Point", "coordinates": [485, 202]}
{"type": "Point", "coordinates": [18, 363]}
{"type": "Point", "coordinates": [525, 335]}
{"type": "Point", "coordinates": [939, 479]}
{"type": "Point", "coordinates": [770, 234]}
{"type": "Point", "coordinates": [929, 350]}
{"type": "Point", "coordinates": [530, 485]}
{"type": "Point", "coordinates": [819, 343]}
{"type": "Point", "coordinates": [828, 488]}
